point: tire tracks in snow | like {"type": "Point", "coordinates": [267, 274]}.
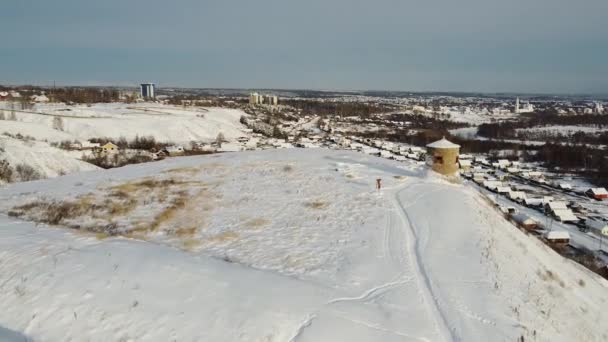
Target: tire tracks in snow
{"type": "Point", "coordinates": [425, 283]}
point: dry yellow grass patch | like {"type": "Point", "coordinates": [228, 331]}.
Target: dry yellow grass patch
{"type": "Point", "coordinates": [257, 223]}
{"type": "Point", "coordinates": [316, 204]}
{"type": "Point", "coordinates": [191, 244]}
{"type": "Point", "coordinates": [224, 236]}
{"type": "Point", "coordinates": [121, 208]}
{"type": "Point", "coordinates": [185, 170]}
{"type": "Point", "coordinates": [128, 188]}
{"type": "Point", "coordinates": [185, 232]}
{"type": "Point", "coordinates": [102, 236]}
{"type": "Point", "coordinates": [136, 234]}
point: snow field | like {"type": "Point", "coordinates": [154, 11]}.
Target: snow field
{"type": "Point", "coordinates": [292, 245]}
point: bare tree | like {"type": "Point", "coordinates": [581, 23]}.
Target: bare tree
{"type": "Point", "coordinates": [220, 139]}
{"type": "Point", "coordinates": [27, 173]}
{"type": "Point", "coordinates": [6, 171]}
{"type": "Point", "coordinates": [12, 116]}
{"type": "Point", "coordinates": [58, 123]}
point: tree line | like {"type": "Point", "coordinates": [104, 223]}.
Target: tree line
{"type": "Point", "coordinates": [308, 107]}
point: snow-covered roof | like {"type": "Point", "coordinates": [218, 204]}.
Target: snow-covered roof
{"type": "Point", "coordinates": [533, 201]}
{"type": "Point", "coordinates": [598, 191]}
{"type": "Point", "coordinates": [523, 218]}
{"type": "Point", "coordinates": [465, 163]}
{"type": "Point", "coordinates": [565, 215]}
{"type": "Point", "coordinates": [557, 235]}
{"type": "Point", "coordinates": [557, 206]}
{"type": "Point", "coordinates": [443, 143]}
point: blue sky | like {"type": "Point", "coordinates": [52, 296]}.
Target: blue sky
{"type": "Point", "coordinates": [448, 45]}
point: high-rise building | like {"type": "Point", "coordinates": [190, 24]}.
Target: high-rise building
{"type": "Point", "coordinates": [254, 99]}
{"type": "Point", "coordinates": [147, 90]}
{"type": "Point", "coordinates": [599, 108]}
{"type": "Point", "coordinates": [257, 99]}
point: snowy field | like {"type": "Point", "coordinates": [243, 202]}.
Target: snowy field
{"type": "Point", "coordinates": [164, 122]}
{"type": "Point", "coordinates": [279, 245]}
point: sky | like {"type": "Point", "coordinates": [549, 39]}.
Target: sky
{"type": "Point", "coordinates": [537, 46]}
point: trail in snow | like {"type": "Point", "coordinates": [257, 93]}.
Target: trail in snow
{"type": "Point", "coordinates": [370, 293]}
{"type": "Point", "coordinates": [305, 324]}
{"type": "Point", "coordinates": [425, 284]}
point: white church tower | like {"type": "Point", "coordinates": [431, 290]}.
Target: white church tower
{"type": "Point", "coordinates": [517, 106]}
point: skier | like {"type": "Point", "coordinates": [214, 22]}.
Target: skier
{"type": "Point", "coordinates": [378, 184]}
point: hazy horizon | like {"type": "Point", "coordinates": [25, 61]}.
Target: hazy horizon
{"type": "Point", "coordinates": [476, 46]}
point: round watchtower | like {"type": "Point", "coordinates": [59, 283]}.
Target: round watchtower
{"type": "Point", "coordinates": [443, 157]}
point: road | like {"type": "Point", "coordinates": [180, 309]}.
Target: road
{"type": "Point", "coordinates": [577, 238]}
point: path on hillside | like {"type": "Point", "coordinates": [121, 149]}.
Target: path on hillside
{"type": "Point", "coordinates": [425, 283]}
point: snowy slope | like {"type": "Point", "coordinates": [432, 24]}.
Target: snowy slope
{"type": "Point", "coordinates": [283, 246]}
{"type": "Point", "coordinates": [47, 160]}
{"type": "Point", "coordinates": [115, 120]}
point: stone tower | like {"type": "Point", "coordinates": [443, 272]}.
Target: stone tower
{"type": "Point", "coordinates": [443, 157]}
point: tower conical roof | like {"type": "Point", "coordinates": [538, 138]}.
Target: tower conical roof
{"type": "Point", "coordinates": [443, 143]}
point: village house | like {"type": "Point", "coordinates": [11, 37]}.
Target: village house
{"type": "Point", "coordinates": [86, 145]}
{"type": "Point", "coordinates": [557, 238]}
{"type": "Point", "coordinates": [174, 150]}
{"type": "Point", "coordinates": [465, 164]}
{"type": "Point", "coordinates": [109, 148]}
{"type": "Point", "coordinates": [533, 202]}
{"type": "Point", "coordinates": [517, 196]}
{"type": "Point", "coordinates": [524, 221]}
{"type": "Point", "coordinates": [565, 215]}
{"type": "Point", "coordinates": [597, 193]}
{"type": "Point", "coordinates": [40, 98]}
{"type": "Point", "coordinates": [160, 155]}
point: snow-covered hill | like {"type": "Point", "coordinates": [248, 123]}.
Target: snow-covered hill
{"type": "Point", "coordinates": [46, 160]}
{"type": "Point", "coordinates": [280, 246]}
{"type": "Point", "coordinates": [115, 120]}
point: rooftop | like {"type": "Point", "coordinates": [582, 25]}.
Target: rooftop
{"type": "Point", "coordinates": [443, 143]}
